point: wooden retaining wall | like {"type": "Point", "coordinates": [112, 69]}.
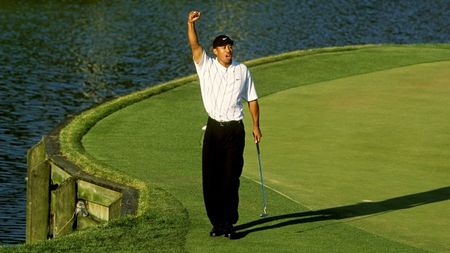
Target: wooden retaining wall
{"type": "Point", "coordinates": [62, 198]}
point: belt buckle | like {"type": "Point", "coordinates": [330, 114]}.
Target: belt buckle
{"type": "Point", "coordinates": [221, 123]}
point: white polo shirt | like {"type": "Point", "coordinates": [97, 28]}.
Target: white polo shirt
{"type": "Point", "coordinates": [223, 89]}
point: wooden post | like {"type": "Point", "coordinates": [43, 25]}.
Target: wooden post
{"type": "Point", "coordinates": [38, 202]}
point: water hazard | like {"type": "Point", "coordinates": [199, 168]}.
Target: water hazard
{"type": "Point", "coordinates": [60, 57]}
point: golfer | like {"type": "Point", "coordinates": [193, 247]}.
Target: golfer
{"type": "Point", "coordinates": [224, 85]}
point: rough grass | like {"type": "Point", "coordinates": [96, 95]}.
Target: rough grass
{"type": "Point", "coordinates": [154, 144]}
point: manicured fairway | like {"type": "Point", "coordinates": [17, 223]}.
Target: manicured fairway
{"type": "Point", "coordinates": [378, 137]}
{"type": "Point", "coordinates": [355, 153]}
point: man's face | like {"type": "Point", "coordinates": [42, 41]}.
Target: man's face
{"type": "Point", "coordinates": [224, 54]}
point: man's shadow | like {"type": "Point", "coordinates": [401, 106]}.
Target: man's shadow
{"type": "Point", "coordinates": [344, 212]}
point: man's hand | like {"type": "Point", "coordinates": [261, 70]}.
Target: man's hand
{"type": "Point", "coordinates": [193, 16]}
{"type": "Point", "coordinates": [257, 134]}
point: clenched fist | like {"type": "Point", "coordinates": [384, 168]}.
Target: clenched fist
{"type": "Point", "coordinates": [193, 16]}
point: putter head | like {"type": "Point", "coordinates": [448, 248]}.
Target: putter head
{"type": "Point", "coordinates": [264, 214]}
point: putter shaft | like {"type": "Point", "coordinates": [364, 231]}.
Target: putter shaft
{"type": "Point", "coordinates": [264, 213]}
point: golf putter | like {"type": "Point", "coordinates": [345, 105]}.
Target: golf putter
{"type": "Point", "coordinates": [264, 213]}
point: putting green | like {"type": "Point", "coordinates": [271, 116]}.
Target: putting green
{"type": "Point", "coordinates": [380, 138]}
{"type": "Point", "coordinates": [340, 128]}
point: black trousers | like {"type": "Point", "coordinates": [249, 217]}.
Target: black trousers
{"type": "Point", "coordinates": [222, 162]}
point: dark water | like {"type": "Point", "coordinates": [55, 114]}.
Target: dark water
{"type": "Point", "coordinates": [60, 57]}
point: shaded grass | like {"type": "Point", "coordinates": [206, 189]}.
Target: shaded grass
{"type": "Point", "coordinates": [156, 141]}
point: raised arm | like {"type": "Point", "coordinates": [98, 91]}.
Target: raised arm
{"type": "Point", "coordinates": [196, 48]}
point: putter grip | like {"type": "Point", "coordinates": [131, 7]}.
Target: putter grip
{"type": "Point", "coordinates": [257, 148]}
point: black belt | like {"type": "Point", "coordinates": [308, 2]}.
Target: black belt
{"type": "Point", "coordinates": [224, 123]}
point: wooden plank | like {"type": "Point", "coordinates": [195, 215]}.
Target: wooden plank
{"type": "Point", "coordinates": [100, 201]}
{"type": "Point", "coordinates": [37, 194]}
{"type": "Point", "coordinates": [97, 194]}
{"type": "Point", "coordinates": [64, 207]}
{"type": "Point", "coordinates": [115, 209]}
{"type": "Point", "coordinates": [58, 175]}
{"type": "Point", "coordinates": [97, 211]}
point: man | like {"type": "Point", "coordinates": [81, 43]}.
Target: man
{"type": "Point", "coordinates": [224, 84]}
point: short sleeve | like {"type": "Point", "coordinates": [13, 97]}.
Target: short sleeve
{"type": "Point", "coordinates": [250, 90]}
{"type": "Point", "coordinates": [200, 66]}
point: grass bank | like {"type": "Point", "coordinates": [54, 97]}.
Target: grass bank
{"type": "Point", "coordinates": [154, 137]}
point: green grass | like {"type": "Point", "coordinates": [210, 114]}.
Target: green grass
{"type": "Point", "coordinates": [381, 137]}
{"type": "Point", "coordinates": [362, 132]}
{"type": "Point", "coordinates": [163, 229]}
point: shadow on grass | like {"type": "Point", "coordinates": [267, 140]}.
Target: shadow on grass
{"type": "Point", "coordinates": [344, 212]}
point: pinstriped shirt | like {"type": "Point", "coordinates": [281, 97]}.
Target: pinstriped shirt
{"type": "Point", "coordinates": [224, 89]}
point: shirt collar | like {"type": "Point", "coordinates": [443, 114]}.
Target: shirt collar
{"type": "Point", "coordinates": [222, 68]}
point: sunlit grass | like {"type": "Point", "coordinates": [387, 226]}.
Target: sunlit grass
{"type": "Point", "coordinates": [150, 140]}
